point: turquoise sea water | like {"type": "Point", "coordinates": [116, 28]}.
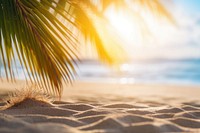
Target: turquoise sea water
{"type": "Point", "coordinates": [185, 71]}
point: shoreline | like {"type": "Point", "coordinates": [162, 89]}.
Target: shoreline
{"type": "Point", "coordinates": [140, 89]}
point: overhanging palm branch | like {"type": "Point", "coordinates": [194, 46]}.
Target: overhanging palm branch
{"type": "Point", "coordinates": [42, 35]}
{"type": "Point", "coordinates": [42, 44]}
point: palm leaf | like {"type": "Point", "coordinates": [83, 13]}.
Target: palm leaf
{"type": "Point", "coordinates": [41, 35]}
{"type": "Point", "coordinates": [39, 39]}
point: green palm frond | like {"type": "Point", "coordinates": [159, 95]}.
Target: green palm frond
{"type": "Point", "coordinates": [42, 35]}
{"type": "Point", "coordinates": [43, 45]}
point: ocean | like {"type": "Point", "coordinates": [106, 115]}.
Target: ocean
{"type": "Point", "coordinates": [161, 71]}
{"type": "Point", "coordinates": [164, 71]}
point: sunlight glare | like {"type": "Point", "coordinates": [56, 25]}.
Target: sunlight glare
{"type": "Point", "coordinates": [125, 67]}
{"type": "Point", "coordinates": [125, 80]}
{"type": "Point", "coordinates": [125, 24]}
{"type": "Point", "coordinates": [138, 30]}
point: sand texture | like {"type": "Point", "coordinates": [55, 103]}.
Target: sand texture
{"type": "Point", "coordinates": [86, 110]}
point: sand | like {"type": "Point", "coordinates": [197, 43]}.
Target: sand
{"type": "Point", "coordinates": [102, 107]}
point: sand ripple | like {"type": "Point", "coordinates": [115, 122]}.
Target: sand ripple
{"type": "Point", "coordinates": [114, 117]}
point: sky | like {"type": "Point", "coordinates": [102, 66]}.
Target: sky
{"type": "Point", "coordinates": [171, 41]}
{"type": "Point", "coordinates": [187, 13]}
{"type": "Point", "coordinates": [193, 6]}
{"type": "Point", "coordinates": [174, 42]}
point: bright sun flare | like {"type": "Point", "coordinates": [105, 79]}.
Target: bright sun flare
{"type": "Point", "coordinates": [139, 30]}
{"type": "Point", "coordinates": [124, 24]}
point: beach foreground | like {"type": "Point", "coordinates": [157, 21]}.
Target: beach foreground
{"type": "Point", "coordinates": [103, 107]}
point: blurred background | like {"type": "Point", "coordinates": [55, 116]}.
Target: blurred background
{"type": "Point", "coordinates": [169, 54]}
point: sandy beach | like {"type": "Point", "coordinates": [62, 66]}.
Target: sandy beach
{"type": "Point", "coordinates": [103, 107]}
